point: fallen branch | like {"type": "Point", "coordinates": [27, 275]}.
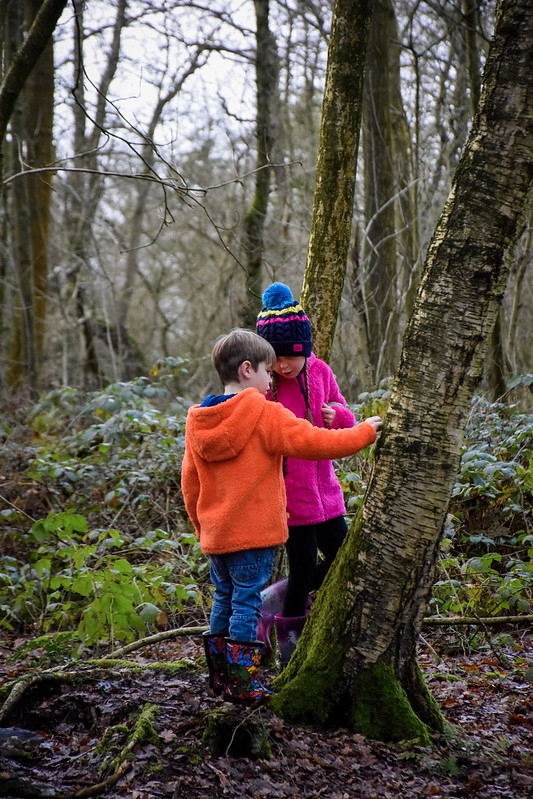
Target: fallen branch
{"type": "Point", "coordinates": [444, 621]}
{"type": "Point", "coordinates": [167, 635]}
{"type": "Point", "coordinates": [25, 683]}
{"type": "Point", "coordinates": [101, 787]}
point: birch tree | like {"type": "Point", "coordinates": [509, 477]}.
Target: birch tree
{"type": "Point", "coordinates": [356, 663]}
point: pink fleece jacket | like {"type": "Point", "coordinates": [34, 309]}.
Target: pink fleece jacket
{"type": "Point", "coordinates": [314, 493]}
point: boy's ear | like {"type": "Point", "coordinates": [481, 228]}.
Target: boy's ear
{"type": "Point", "coordinates": [245, 369]}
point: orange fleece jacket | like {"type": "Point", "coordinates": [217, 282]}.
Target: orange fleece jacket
{"type": "Point", "coordinates": [232, 478]}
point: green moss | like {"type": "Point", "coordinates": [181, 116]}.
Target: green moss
{"type": "Point", "coordinates": [433, 716]}
{"type": "Point", "coordinates": [193, 754]}
{"type": "Point", "coordinates": [375, 706]}
{"type": "Point", "coordinates": [302, 701]}
{"type": "Point", "coordinates": [380, 707]}
{"type": "Point", "coordinates": [171, 668]}
{"type": "Point", "coordinates": [119, 730]}
{"type": "Point", "coordinates": [155, 768]}
{"type": "Point", "coordinates": [144, 729]}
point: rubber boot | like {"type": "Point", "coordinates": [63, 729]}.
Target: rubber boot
{"type": "Point", "coordinates": [271, 603]}
{"type": "Point", "coordinates": [215, 653]}
{"type": "Point", "coordinates": [289, 630]}
{"type": "Point", "coordinates": [242, 662]}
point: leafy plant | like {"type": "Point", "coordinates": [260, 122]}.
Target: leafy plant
{"type": "Point", "coordinates": [96, 581]}
{"type": "Point", "coordinates": [486, 563]}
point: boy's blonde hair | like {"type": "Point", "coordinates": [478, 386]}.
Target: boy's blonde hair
{"type": "Point", "coordinates": [237, 346]}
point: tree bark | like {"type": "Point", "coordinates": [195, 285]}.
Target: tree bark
{"type": "Point", "coordinates": [26, 57]}
{"type": "Point", "coordinates": [331, 224]}
{"type": "Point", "coordinates": [39, 104]}
{"type": "Point", "coordinates": [268, 123]}
{"type": "Point", "coordinates": [380, 261]}
{"type": "Point", "coordinates": [28, 63]}
{"type": "Point", "coordinates": [356, 662]}
{"type": "Point", "coordinates": [85, 190]}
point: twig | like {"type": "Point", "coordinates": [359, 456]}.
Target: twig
{"type": "Point", "coordinates": [431, 649]}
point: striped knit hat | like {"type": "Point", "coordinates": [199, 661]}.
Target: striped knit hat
{"type": "Point", "coordinates": [283, 322]}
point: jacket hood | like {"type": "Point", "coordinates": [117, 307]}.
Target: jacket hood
{"type": "Point", "coordinates": [220, 432]}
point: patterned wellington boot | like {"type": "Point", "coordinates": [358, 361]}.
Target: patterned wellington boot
{"type": "Point", "coordinates": [242, 661]}
{"type": "Point", "coordinates": [271, 603]}
{"type": "Point", "coordinates": [289, 630]}
{"type": "Point", "coordinates": [215, 653]}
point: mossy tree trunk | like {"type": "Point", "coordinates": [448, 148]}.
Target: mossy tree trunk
{"type": "Point", "coordinates": [268, 125]}
{"type": "Point", "coordinates": [356, 662]}
{"type": "Point", "coordinates": [386, 159]}
{"type": "Point", "coordinates": [39, 104]}
{"type": "Point", "coordinates": [85, 189]}
{"type": "Point", "coordinates": [27, 74]}
{"type": "Point", "coordinates": [331, 223]}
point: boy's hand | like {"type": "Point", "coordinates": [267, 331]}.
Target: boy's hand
{"type": "Point", "coordinates": [376, 422]}
{"type": "Point", "coordinates": [328, 414]}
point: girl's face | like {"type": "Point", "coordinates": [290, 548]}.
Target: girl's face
{"type": "Point", "coordinates": [289, 365]}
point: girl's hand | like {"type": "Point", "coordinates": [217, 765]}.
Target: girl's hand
{"type": "Point", "coordinates": [328, 414]}
{"type": "Point", "coordinates": [376, 422]}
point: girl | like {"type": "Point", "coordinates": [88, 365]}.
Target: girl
{"type": "Point", "coordinates": [315, 504]}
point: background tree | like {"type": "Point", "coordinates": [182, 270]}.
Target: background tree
{"type": "Point", "coordinates": [196, 171]}
{"type": "Point", "coordinates": [375, 595]}
{"type": "Point", "coordinates": [27, 74]}
{"type": "Point", "coordinates": [381, 278]}
{"type": "Point", "coordinates": [335, 172]}
{"type": "Point", "coordinates": [268, 130]}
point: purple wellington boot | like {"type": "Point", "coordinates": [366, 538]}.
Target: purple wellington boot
{"type": "Point", "coordinates": [289, 630]}
{"type": "Point", "coordinates": [271, 603]}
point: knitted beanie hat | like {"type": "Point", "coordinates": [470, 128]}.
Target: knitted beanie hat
{"type": "Point", "coordinates": [283, 322]}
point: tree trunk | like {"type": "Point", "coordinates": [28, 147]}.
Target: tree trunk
{"type": "Point", "coordinates": [85, 190]}
{"type": "Point", "coordinates": [26, 62]}
{"type": "Point", "coordinates": [22, 369]}
{"type": "Point", "coordinates": [356, 663]}
{"type": "Point", "coordinates": [268, 122]}
{"type": "Point", "coordinates": [26, 57]}
{"type": "Point", "coordinates": [39, 104]}
{"type": "Point", "coordinates": [331, 225]}
{"type": "Point", "coordinates": [380, 266]}
{"type": "Point", "coordinates": [471, 17]}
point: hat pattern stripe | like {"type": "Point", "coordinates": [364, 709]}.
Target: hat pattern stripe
{"type": "Point", "coordinates": [293, 318]}
{"type": "Point", "coordinates": [294, 309]}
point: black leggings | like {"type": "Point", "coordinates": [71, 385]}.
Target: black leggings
{"type": "Point", "coordinates": [305, 574]}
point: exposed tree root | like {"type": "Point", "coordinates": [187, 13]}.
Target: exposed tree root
{"type": "Point", "coordinates": [143, 732]}
{"type": "Point", "coordinates": [89, 670]}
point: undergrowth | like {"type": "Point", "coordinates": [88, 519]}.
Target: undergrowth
{"type": "Point", "coordinates": [97, 548]}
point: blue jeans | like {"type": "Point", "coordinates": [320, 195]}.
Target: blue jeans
{"type": "Point", "coordinates": [238, 578]}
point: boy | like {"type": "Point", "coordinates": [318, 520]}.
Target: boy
{"type": "Point", "coordinates": [234, 492]}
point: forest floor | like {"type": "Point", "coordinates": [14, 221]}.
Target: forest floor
{"type": "Point", "coordinates": [52, 742]}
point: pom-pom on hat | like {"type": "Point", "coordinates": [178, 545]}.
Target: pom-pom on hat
{"type": "Point", "coordinates": [283, 322]}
